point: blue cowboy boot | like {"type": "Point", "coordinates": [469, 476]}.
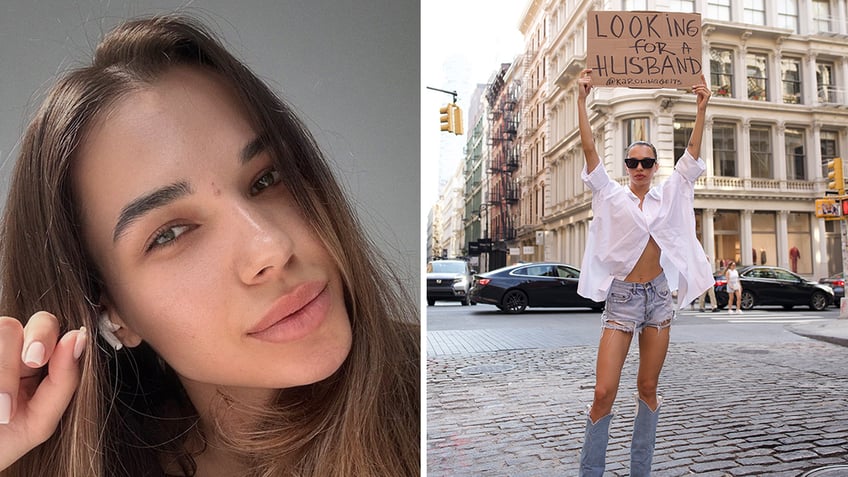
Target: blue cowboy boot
{"type": "Point", "coordinates": [644, 438]}
{"type": "Point", "coordinates": [594, 453]}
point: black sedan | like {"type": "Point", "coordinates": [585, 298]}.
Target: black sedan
{"type": "Point", "coordinates": [837, 283]}
{"type": "Point", "coordinates": [512, 289]}
{"type": "Point", "coordinates": [762, 285]}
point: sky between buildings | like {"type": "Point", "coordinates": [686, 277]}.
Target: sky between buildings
{"type": "Point", "coordinates": [462, 44]}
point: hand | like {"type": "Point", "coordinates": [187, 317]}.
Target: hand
{"type": "Point", "coordinates": [584, 83]}
{"type": "Point", "coordinates": [31, 403]}
{"type": "Point", "coordinates": [703, 92]}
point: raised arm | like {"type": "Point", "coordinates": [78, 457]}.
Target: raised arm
{"type": "Point", "coordinates": [703, 97]}
{"type": "Point", "coordinates": [586, 138]}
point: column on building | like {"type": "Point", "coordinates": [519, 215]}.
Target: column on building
{"type": "Point", "coordinates": [745, 150]}
{"type": "Point", "coordinates": [707, 149]}
{"type": "Point", "coordinates": [746, 244]}
{"type": "Point", "coordinates": [782, 239]}
{"type": "Point", "coordinates": [809, 85]}
{"type": "Point", "coordinates": [815, 154]}
{"type": "Point", "coordinates": [708, 234]}
{"type": "Point", "coordinates": [779, 151]}
{"type": "Point", "coordinates": [821, 258]}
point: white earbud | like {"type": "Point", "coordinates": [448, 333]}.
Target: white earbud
{"type": "Point", "coordinates": [107, 330]}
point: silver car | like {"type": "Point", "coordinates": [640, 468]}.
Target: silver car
{"type": "Point", "coordinates": [448, 280]}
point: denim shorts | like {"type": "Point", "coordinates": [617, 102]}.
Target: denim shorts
{"type": "Point", "coordinates": [633, 306]}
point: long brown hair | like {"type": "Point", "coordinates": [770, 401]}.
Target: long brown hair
{"type": "Point", "coordinates": [130, 415]}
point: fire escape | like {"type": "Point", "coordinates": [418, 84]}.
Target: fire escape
{"type": "Point", "coordinates": [504, 158]}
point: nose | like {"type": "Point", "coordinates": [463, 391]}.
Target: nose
{"type": "Point", "coordinates": [262, 249]}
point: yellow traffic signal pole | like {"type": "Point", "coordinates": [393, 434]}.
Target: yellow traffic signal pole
{"type": "Point", "coordinates": [843, 226]}
{"type": "Point", "coordinates": [450, 116]}
{"type": "Point", "coordinates": [836, 181]}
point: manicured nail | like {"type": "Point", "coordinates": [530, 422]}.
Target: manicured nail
{"type": "Point", "coordinates": [82, 339]}
{"type": "Point", "coordinates": [5, 408]}
{"type": "Point", "coordinates": [34, 354]}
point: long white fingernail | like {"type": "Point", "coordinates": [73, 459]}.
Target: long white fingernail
{"type": "Point", "coordinates": [5, 408]}
{"type": "Point", "coordinates": [34, 354]}
{"type": "Point", "coordinates": [79, 345]}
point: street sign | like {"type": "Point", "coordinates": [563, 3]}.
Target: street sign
{"type": "Point", "coordinates": [829, 209]}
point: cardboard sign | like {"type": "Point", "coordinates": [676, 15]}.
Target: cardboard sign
{"type": "Point", "coordinates": [644, 49]}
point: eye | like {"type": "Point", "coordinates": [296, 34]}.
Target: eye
{"type": "Point", "coordinates": [267, 179]}
{"type": "Point", "coordinates": [167, 235]}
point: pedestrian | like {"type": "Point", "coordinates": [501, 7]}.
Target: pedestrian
{"type": "Point", "coordinates": [734, 288]}
{"type": "Point", "coordinates": [641, 246]}
{"type": "Point", "coordinates": [176, 250]}
{"type": "Point", "coordinates": [711, 291]}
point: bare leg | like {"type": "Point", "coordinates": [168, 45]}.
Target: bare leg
{"type": "Point", "coordinates": [738, 299]}
{"type": "Point", "coordinates": [730, 297]}
{"type": "Point", "coordinates": [612, 352]}
{"type": "Point", "coordinates": [653, 346]}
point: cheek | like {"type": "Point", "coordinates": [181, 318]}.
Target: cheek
{"type": "Point", "coordinates": [173, 303]}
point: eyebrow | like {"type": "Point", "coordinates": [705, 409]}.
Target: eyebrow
{"type": "Point", "coordinates": [148, 202]}
{"type": "Point", "coordinates": [168, 194]}
{"type": "Point", "coordinates": [252, 149]}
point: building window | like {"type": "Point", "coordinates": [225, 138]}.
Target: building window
{"type": "Point", "coordinates": [763, 239]}
{"type": "Point", "coordinates": [682, 133]}
{"type": "Point", "coordinates": [761, 153]}
{"type": "Point", "coordinates": [636, 129]}
{"type": "Point", "coordinates": [724, 149]}
{"type": "Point", "coordinates": [825, 83]}
{"type": "Point", "coordinates": [726, 237]}
{"type": "Point", "coordinates": [796, 157]}
{"type": "Point", "coordinates": [757, 70]}
{"type": "Point", "coordinates": [718, 9]}
{"type": "Point", "coordinates": [787, 14]}
{"type": "Point", "coordinates": [829, 148]}
{"type": "Point", "coordinates": [686, 6]}
{"type": "Point", "coordinates": [754, 12]}
{"type": "Point", "coordinates": [800, 242]}
{"type": "Point", "coordinates": [821, 16]}
{"type": "Point", "coordinates": [791, 74]}
{"type": "Point", "coordinates": [721, 72]}
{"type": "Point", "coordinates": [635, 5]}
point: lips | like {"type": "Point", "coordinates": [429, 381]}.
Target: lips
{"type": "Point", "coordinates": [294, 314]}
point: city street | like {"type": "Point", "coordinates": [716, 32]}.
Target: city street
{"type": "Point", "coordinates": [506, 394]}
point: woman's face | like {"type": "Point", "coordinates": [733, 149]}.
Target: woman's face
{"type": "Point", "coordinates": [641, 176]}
{"type": "Point", "coordinates": [204, 254]}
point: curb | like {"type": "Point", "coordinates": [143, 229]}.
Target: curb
{"type": "Point", "coordinates": [834, 332]}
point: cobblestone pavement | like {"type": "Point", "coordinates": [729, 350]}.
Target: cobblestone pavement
{"type": "Point", "coordinates": [730, 410]}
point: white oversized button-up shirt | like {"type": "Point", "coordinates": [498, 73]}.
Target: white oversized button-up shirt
{"type": "Point", "coordinates": [620, 230]}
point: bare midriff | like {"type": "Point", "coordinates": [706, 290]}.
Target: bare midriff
{"type": "Point", "coordinates": [648, 266]}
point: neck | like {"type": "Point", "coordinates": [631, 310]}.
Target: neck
{"type": "Point", "coordinates": [217, 415]}
{"type": "Point", "coordinates": [640, 189]}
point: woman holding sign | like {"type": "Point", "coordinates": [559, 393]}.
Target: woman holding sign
{"type": "Point", "coordinates": [641, 246]}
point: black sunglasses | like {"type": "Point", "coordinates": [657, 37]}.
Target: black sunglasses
{"type": "Point", "coordinates": [647, 162]}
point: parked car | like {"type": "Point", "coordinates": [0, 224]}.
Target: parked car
{"type": "Point", "coordinates": [763, 285]}
{"type": "Point", "coordinates": [448, 280]}
{"type": "Point", "coordinates": [512, 289]}
{"type": "Point", "coordinates": [837, 283]}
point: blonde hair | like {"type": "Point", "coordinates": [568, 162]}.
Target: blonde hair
{"type": "Point", "coordinates": [130, 414]}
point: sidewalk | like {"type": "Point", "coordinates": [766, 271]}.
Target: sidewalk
{"type": "Point", "coordinates": [833, 331]}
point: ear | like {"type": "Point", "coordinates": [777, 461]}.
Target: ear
{"type": "Point", "coordinates": [110, 320]}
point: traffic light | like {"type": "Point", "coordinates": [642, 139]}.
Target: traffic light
{"type": "Point", "coordinates": [450, 118]}
{"type": "Point", "coordinates": [457, 120]}
{"type": "Point", "coordinates": [834, 176]}
{"type": "Point", "coordinates": [446, 117]}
